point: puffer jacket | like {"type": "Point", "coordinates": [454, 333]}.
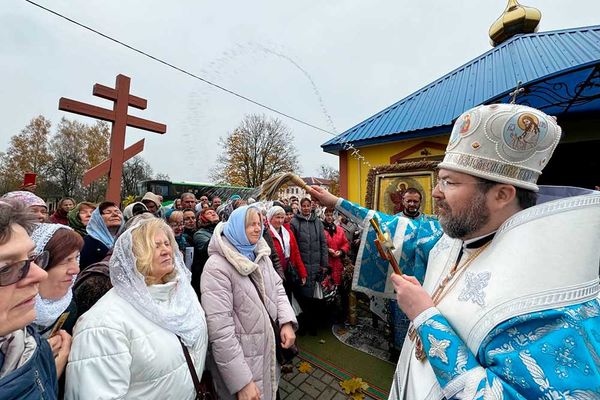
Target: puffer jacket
{"type": "Point", "coordinates": [201, 241]}
{"type": "Point", "coordinates": [310, 235]}
{"type": "Point", "coordinates": [239, 330]}
{"type": "Point", "coordinates": [337, 242]}
{"type": "Point", "coordinates": [36, 379]}
{"type": "Point", "coordinates": [117, 353]}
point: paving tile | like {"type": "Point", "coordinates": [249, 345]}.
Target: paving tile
{"type": "Point", "coordinates": [296, 395]}
{"type": "Point", "coordinates": [339, 396]}
{"type": "Point", "coordinates": [328, 379]}
{"type": "Point", "coordinates": [318, 373]}
{"type": "Point", "coordinates": [317, 384]}
{"type": "Point", "coordinates": [327, 394]}
{"type": "Point", "coordinates": [285, 385]}
{"type": "Point", "coordinates": [298, 379]}
{"type": "Point", "coordinates": [309, 390]}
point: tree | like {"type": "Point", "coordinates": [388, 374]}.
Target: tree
{"type": "Point", "coordinates": [97, 138]}
{"type": "Point", "coordinates": [162, 177]}
{"type": "Point", "coordinates": [27, 152]}
{"type": "Point", "coordinates": [70, 161]}
{"type": "Point", "coordinates": [135, 170]}
{"type": "Point", "coordinates": [254, 151]}
{"type": "Point", "coordinates": [333, 175]}
{"type": "Point", "coordinates": [76, 147]}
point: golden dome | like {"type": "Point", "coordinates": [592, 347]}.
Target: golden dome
{"type": "Point", "coordinates": [515, 19]}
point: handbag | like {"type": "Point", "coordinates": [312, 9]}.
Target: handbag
{"type": "Point", "coordinates": [283, 356]}
{"type": "Point", "coordinates": [291, 274]}
{"type": "Point", "coordinates": [205, 389]}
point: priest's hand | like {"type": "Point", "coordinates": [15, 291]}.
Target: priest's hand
{"type": "Point", "coordinates": [412, 298]}
{"type": "Point", "coordinates": [325, 198]}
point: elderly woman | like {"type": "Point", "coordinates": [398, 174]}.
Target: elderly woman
{"type": "Point", "coordinates": [33, 202]}
{"type": "Point", "coordinates": [54, 305]}
{"type": "Point", "coordinates": [102, 229]}
{"type": "Point", "coordinates": [286, 247]}
{"type": "Point", "coordinates": [79, 217]}
{"type": "Point", "coordinates": [242, 294]}
{"type": "Point", "coordinates": [131, 343]}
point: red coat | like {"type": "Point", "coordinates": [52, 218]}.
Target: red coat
{"type": "Point", "coordinates": [337, 242]}
{"type": "Point", "coordinates": [295, 258]}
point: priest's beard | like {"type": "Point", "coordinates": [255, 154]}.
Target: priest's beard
{"type": "Point", "coordinates": [459, 224]}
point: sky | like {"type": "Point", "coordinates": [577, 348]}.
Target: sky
{"type": "Point", "coordinates": [331, 63]}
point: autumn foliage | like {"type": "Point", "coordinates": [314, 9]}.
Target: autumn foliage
{"type": "Point", "coordinates": [257, 149]}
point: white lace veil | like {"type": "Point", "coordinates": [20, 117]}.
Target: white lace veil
{"type": "Point", "coordinates": [181, 314]}
{"type": "Point", "coordinates": [46, 310]}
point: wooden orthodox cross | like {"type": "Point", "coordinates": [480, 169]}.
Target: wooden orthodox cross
{"type": "Point", "coordinates": [120, 121]}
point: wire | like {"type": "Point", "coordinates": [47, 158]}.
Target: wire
{"type": "Point", "coordinates": [130, 47]}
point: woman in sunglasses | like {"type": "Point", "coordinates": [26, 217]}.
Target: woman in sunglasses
{"type": "Point", "coordinates": [28, 369]}
{"type": "Point", "coordinates": [54, 305]}
{"type": "Point", "coordinates": [102, 230]}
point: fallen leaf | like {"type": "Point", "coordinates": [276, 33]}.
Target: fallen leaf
{"type": "Point", "coordinates": [354, 387]}
{"type": "Point", "coordinates": [304, 367]}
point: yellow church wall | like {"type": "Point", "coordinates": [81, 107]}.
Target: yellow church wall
{"type": "Point", "coordinates": [380, 155]}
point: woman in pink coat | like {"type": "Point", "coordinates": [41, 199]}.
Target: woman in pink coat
{"type": "Point", "coordinates": [337, 246]}
{"type": "Point", "coordinates": [241, 292]}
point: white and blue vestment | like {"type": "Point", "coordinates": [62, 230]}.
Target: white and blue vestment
{"type": "Point", "coordinates": [521, 322]}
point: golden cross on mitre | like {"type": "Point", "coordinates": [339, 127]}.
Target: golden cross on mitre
{"type": "Point", "coordinates": [113, 166]}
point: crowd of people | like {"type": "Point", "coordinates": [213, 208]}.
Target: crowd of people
{"type": "Point", "coordinates": [205, 298]}
{"type": "Point", "coordinates": [196, 296]}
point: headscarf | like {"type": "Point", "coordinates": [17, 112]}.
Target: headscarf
{"type": "Point", "coordinates": [97, 229]}
{"type": "Point", "coordinates": [75, 221]}
{"type": "Point", "coordinates": [48, 310]}
{"type": "Point", "coordinates": [284, 237]}
{"type": "Point", "coordinates": [28, 198]}
{"type": "Point", "coordinates": [134, 209]}
{"type": "Point", "coordinates": [273, 211]}
{"type": "Point", "coordinates": [181, 315]}
{"type": "Point", "coordinates": [235, 232]}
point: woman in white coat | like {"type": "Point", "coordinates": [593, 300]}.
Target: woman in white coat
{"type": "Point", "coordinates": [127, 345]}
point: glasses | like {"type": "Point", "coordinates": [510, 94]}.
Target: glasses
{"type": "Point", "coordinates": [444, 185]}
{"type": "Point", "coordinates": [114, 212]}
{"type": "Point", "coordinates": [14, 272]}
{"type": "Point", "coordinates": [175, 224]}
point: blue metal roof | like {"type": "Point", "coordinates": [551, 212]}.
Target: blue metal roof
{"type": "Point", "coordinates": [488, 78]}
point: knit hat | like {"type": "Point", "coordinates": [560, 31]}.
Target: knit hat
{"type": "Point", "coordinates": [28, 198]}
{"type": "Point", "coordinates": [506, 143]}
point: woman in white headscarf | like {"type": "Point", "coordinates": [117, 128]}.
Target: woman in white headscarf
{"type": "Point", "coordinates": [129, 344]}
{"type": "Point", "coordinates": [55, 296]}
